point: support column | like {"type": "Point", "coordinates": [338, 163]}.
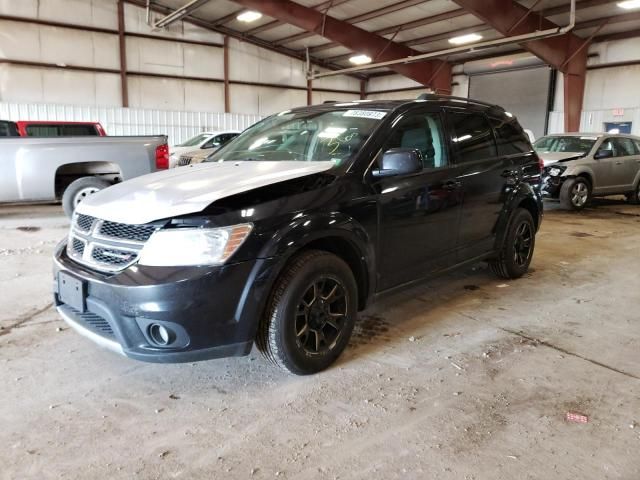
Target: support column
{"type": "Point", "coordinates": [363, 89]}
{"type": "Point", "coordinates": [309, 92]}
{"type": "Point", "coordinates": [124, 86]}
{"type": "Point", "coordinates": [574, 82]}
{"type": "Point", "coordinates": [227, 101]}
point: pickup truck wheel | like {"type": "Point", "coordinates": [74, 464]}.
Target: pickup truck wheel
{"type": "Point", "coordinates": [575, 193]}
{"type": "Point", "coordinates": [634, 197]}
{"type": "Point", "coordinates": [517, 250]}
{"type": "Point", "coordinates": [310, 315]}
{"type": "Point", "coordinates": [78, 190]}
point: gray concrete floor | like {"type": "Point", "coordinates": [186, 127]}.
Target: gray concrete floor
{"type": "Point", "coordinates": [465, 377]}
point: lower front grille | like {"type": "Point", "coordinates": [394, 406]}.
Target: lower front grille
{"type": "Point", "coordinates": [93, 322]}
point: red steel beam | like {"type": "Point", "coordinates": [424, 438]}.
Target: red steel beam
{"type": "Point", "coordinates": [363, 17]}
{"type": "Point", "coordinates": [565, 52]}
{"type": "Point", "coordinates": [122, 41]}
{"type": "Point", "coordinates": [277, 23]}
{"type": "Point", "coordinates": [356, 39]}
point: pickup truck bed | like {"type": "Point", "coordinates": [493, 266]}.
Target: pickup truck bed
{"type": "Point", "coordinates": [41, 169]}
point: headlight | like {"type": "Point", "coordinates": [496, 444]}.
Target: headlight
{"type": "Point", "coordinates": [193, 246]}
{"type": "Point", "coordinates": [555, 171]}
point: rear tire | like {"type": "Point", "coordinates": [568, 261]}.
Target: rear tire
{"type": "Point", "coordinates": [310, 315]}
{"type": "Point", "coordinates": [634, 197]}
{"type": "Point", "coordinates": [78, 190]}
{"type": "Point", "coordinates": [575, 193]}
{"type": "Point", "coordinates": [517, 250]}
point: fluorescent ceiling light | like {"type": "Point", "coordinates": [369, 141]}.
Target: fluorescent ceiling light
{"type": "Point", "coordinates": [469, 38]}
{"type": "Point", "coordinates": [249, 16]}
{"type": "Point", "coordinates": [360, 59]}
{"type": "Point", "coordinates": [629, 4]}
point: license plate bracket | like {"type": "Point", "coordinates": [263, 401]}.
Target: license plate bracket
{"type": "Point", "coordinates": [72, 291]}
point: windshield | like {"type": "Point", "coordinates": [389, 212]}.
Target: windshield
{"type": "Point", "coordinates": [565, 144]}
{"type": "Point", "coordinates": [195, 141]}
{"type": "Point", "coordinates": [304, 136]}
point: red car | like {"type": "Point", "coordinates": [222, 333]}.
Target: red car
{"type": "Point", "coordinates": [33, 128]}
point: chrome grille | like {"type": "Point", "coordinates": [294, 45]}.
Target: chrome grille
{"type": "Point", "coordinates": [104, 245]}
{"type": "Point", "coordinates": [84, 222]}
{"type": "Point", "coordinates": [184, 160]}
{"type": "Point", "coordinates": [138, 233]}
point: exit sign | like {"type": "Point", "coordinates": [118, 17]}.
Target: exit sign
{"type": "Point", "coordinates": [618, 112]}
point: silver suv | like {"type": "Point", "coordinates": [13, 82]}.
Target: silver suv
{"type": "Point", "coordinates": [580, 166]}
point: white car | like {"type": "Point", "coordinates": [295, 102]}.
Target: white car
{"type": "Point", "coordinates": [202, 140]}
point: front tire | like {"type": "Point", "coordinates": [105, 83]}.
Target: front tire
{"type": "Point", "coordinates": [575, 193]}
{"type": "Point", "coordinates": [516, 253]}
{"type": "Point", "coordinates": [310, 315]}
{"type": "Point", "coordinates": [78, 190]}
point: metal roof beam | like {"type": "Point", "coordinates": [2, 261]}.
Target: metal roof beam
{"type": "Point", "coordinates": [434, 73]}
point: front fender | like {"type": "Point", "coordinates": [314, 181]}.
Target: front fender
{"type": "Point", "coordinates": [305, 229]}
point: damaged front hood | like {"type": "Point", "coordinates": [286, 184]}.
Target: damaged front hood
{"type": "Point", "coordinates": [184, 190]}
{"type": "Point", "coordinates": [549, 158]}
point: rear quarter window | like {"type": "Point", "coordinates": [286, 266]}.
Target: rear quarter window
{"type": "Point", "coordinates": [472, 136]}
{"type": "Point", "coordinates": [60, 130]}
{"type": "Point", "coordinates": [510, 137]}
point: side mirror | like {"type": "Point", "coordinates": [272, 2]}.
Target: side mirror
{"type": "Point", "coordinates": [399, 161]}
{"type": "Point", "coordinates": [603, 154]}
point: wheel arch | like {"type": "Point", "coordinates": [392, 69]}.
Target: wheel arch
{"type": "Point", "coordinates": [68, 172]}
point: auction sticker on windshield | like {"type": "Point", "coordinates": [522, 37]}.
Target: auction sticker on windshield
{"type": "Point", "coordinates": [373, 114]}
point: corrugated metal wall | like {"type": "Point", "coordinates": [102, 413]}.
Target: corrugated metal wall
{"type": "Point", "coordinates": [179, 126]}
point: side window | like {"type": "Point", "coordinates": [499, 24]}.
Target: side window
{"type": "Point", "coordinates": [472, 137]}
{"type": "Point", "coordinates": [607, 144]}
{"type": "Point", "coordinates": [624, 147]}
{"type": "Point", "coordinates": [424, 132]}
{"type": "Point", "coordinates": [212, 142]}
{"type": "Point", "coordinates": [510, 137]}
{"type": "Point", "coordinates": [79, 130]}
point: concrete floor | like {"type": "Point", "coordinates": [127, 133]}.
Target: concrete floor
{"type": "Point", "coordinates": [466, 377]}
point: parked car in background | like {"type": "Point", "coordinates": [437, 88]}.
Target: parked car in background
{"type": "Point", "coordinates": [71, 168]}
{"type": "Point", "coordinates": [204, 140]}
{"type": "Point", "coordinates": [8, 129]}
{"type": "Point", "coordinates": [33, 128]}
{"type": "Point", "coordinates": [290, 229]}
{"type": "Point", "coordinates": [198, 156]}
{"type": "Point", "coordinates": [580, 166]}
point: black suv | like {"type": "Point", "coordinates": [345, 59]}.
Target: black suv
{"type": "Point", "coordinates": [283, 235]}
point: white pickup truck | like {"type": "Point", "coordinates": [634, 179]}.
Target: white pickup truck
{"type": "Point", "coordinates": [70, 168]}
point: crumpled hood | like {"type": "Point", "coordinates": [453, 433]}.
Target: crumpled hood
{"type": "Point", "coordinates": [549, 158]}
{"type": "Point", "coordinates": [190, 189]}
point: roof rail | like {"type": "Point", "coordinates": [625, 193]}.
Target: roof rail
{"type": "Point", "coordinates": [433, 96]}
{"type": "Point", "coordinates": [329, 101]}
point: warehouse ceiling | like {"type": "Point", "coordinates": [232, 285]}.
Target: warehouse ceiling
{"type": "Point", "coordinates": [422, 25]}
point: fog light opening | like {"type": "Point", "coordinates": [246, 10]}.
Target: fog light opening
{"type": "Point", "coordinates": [161, 335]}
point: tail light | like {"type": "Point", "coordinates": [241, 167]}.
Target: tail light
{"type": "Point", "coordinates": [162, 156]}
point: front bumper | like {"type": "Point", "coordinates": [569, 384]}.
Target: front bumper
{"type": "Point", "coordinates": [211, 312]}
{"type": "Point", "coordinates": [551, 186]}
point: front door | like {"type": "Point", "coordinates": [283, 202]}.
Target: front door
{"type": "Point", "coordinates": [611, 176]}
{"type": "Point", "coordinates": [484, 174]}
{"type": "Point", "coordinates": [418, 213]}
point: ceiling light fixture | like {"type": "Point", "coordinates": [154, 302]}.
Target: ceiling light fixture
{"type": "Point", "coordinates": [629, 4]}
{"type": "Point", "coordinates": [249, 16]}
{"type": "Point", "coordinates": [360, 59]}
{"type": "Point", "coordinates": [462, 39]}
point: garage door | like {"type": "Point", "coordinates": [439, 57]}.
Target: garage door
{"type": "Point", "coordinates": [525, 93]}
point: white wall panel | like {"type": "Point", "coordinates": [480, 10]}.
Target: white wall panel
{"type": "Point", "coordinates": [338, 82]}
{"type": "Point", "coordinates": [94, 13]}
{"type": "Point", "coordinates": [22, 41]}
{"type": "Point", "coordinates": [391, 82]}
{"type": "Point", "coordinates": [20, 8]}
{"type": "Point", "coordinates": [265, 100]}
{"type": "Point", "coordinates": [320, 97]}
{"type": "Point", "coordinates": [175, 94]}
{"type": "Point", "coordinates": [20, 84]}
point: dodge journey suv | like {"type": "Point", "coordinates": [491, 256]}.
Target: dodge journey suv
{"type": "Point", "coordinates": [284, 234]}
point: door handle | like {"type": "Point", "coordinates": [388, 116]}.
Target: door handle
{"type": "Point", "coordinates": [509, 174]}
{"type": "Point", "coordinates": [451, 185]}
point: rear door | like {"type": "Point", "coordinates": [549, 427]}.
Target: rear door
{"type": "Point", "coordinates": [484, 176]}
{"type": "Point", "coordinates": [418, 213]}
